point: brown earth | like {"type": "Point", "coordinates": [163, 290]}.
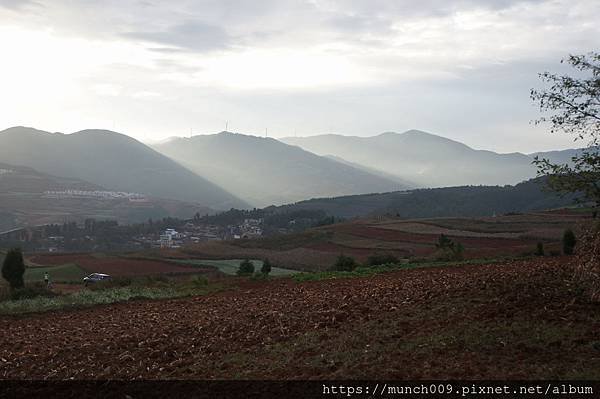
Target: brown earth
{"type": "Point", "coordinates": [511, 320]}
{"type": "Point", "coordinates": [117, 266]}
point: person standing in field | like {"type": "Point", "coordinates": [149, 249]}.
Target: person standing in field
{"type": "Point", "coordinates": [47, 279]}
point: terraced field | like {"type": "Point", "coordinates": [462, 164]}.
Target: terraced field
{"type": "Point", "coordinates": [317, 249]}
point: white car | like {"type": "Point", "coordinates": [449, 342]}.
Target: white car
{"type": "Point", "coordinates": [95, 278]}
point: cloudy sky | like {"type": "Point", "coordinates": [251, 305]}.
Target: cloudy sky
{"type": "Point", "coordinates": [153, 69]}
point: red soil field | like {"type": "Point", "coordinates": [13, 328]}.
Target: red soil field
{"type": "Point", "coordinates": [117, 266]}
{"type": "Point", "coordinates": [487, 322]}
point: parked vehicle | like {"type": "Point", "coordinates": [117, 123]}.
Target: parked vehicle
{"type": "Point", "coordinates": [95, 278]}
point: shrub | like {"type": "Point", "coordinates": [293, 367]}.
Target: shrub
{"type": "Point", "coordinates": [539, 249]}
{"type": "Point", "coordinates": [266, 267]}
{"type": "Point", "coordinates": [13, 268]}
{"type": "Point", "coordinates": [381, 259]}
{"type": "Point", "coordinates": [200, 281]}
{"type": "Point", "coordinates": [344, 264]}
{"type": "Point", "coordinates": [448, 250]}
{"type": "Point", "coordinates": [114, 282]}
{"type": "Point", "coordinates": [32, 291]}
{"type": "Point", "coordinates": [587, 270]}
{"type": "Point", "coordinates": [568, 242]}
{"type": "Point", "coordinates": [246, 268]}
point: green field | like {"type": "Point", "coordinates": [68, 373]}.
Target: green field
{"type": "Point", "coordinates": [69, 273]}
{"type": "Point", "coordinates": [231, 266]}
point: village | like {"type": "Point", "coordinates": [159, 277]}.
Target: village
{"type": "Point", "coordinates": [92, 235]}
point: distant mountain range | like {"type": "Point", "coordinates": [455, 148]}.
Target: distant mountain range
{"type": "Point", "coordinates": [113, 161]}
{"type": "Point", "coordinates": [265, 171]}
{"type": "Point", "coordinates": [425, 159]}
{"type": "Point", "coordinates": [229, 170]}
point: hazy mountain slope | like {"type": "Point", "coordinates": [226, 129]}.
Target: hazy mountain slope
{"type": "Point", "coordinates": [266, 171]}
{"type": "Point", "coordinates": [466, 201]}
{"type": "Point", "coordinates": [21, 179]}
{"type": "Point", "coordinates": [560, 156]}
{"type": "Point", "coordinates": [24, 201]}
{"type": "Point", "coordinates": [112, 160]}
{"type": "Point", "coordinates": [374, 171]}
{"type": "Point", "coordinates": [425, 159]}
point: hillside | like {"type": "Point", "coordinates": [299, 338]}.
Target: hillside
{"type": "Point", "coordinates": [24, 200]}
{"type": "Point", "coordinates": [466, 201]}
{"type": "Point", "coordinates": [560, 156]}
{"type": "Point", "coordinates": [112, 160]}
{"type": "Point", "coordinates": [21, 179]}
{"type": "Point", "coordinates": [265, 171]}
{"type": "Point", "coordinates": [423, 158]}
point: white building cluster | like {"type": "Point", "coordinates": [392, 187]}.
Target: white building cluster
{"type": "Point", "coordinates": [103, 195]}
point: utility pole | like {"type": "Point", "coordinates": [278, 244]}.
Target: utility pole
{"type": "Point", "coordinates": [266, 132]}
{"type": "Point", "coordinates": [226, 125]}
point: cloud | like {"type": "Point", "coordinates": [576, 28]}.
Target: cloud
{"type": "Point", "coordinates": [191, 35]}
{"type": "Point", "coordinates": [18, 4]}
{"type": "Point", "coordinates": [359, 67]}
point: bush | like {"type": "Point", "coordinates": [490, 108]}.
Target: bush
{"type": "Point", "coordinates": [381, 259]}
{"type": "Point", "coordinates": [568, 242]}
{"type": "Point", "coordinates": [587, 270]}
{"type": "Point", "coordinates": [32, 291]}
{"type": "Point", "coordinates": [344, 264]}
{"type": "Point", "coordinates": [200, 281]}
{"type": "Point", "coordinates": [448, 250]}
{"type": "Point", "coordinates": [246, 268]}
{"type": "Point", "coordinates": [114, 282]}
{"type": "Point", "coordinates": [266, 267]}
{"type": "Point", "coordinates": [13, 268]}
{"type": "Point", "coordinates": [539, 249]}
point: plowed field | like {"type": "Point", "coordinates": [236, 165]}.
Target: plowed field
{"type": "Point", "coordinates": [512, 320]}
{"type": "Point", "coordinates": [117, 266]}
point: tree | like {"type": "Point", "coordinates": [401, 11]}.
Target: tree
{"type": "Point", "coordinates": [568, 242]}
{"type": "Point", "coordinates": [246, 268]}
{"type": "Point", "coordinates": [539, 249]}
{"type": "Point", "coordinates": [573, 107]}
{"type": "Point", "coordinates": [344, 263]}
{"type": "Point", "coordinates": [448, 249]}
{"type": "Point", "coordinates": [266, 267]}
{"type": "Point", "coordinates": [13, 268]}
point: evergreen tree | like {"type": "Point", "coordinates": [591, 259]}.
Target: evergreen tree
{"type": "Point", "coordinates": [568, 242]}
{"type": "Point", "coordinates": [246, 268]}
{"type": "Point", "coordinates": [266, 267]}
{"type": "Point", "coordinates": [13, 268]}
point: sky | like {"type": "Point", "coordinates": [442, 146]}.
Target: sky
{"type": "Point", "coordinates": [155, 69]}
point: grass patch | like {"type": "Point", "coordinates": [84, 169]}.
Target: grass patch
{"type": "Point", "coordinates": [364, 271]}
{"type": "Point", "coordinates": [231, 266]}
{"type": "Point", "coordinates": [68, 273]}
{"type": "Point", "coordinates": [140, 289]}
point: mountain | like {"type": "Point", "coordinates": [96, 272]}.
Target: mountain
{"type": "Point", "coordinates": [29, 197]}
{"type": "Point", "coordinates": [266, 171]}
{"type": "Point", "coordinates": [113, 161]}
{"type": "Point", "coordinates": [560, 157]}
{"type": "Point", "coordinates": [465, 201]}
{"type": "Point", "coordinates": [425, 159]}
{"type": "Point", "coordinates": [377, 172]}
{"type": "Point", "coordinates": [21, 179]}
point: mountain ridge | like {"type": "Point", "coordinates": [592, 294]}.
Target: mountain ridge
{"type": "Point", "coordinates": [112, 160]}
{"type": "Point", "coordinates": [267, 171]}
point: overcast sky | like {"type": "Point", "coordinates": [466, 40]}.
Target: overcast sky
{"type": "Point", "coordinates": [153, 69]}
